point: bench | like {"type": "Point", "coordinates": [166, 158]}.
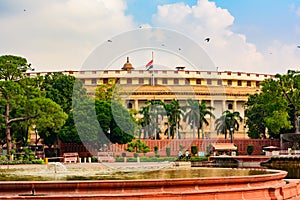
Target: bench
{"type": "Point", "coordinates": [70, 157]}
{"type": "Point", "coordinates": [105, 156]}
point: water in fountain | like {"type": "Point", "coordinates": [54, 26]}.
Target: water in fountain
{"type": "Point", "coordinates": [57, 166]}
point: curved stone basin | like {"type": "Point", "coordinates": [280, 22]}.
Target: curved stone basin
{"type": "Point", "coordinates": [235, 186]}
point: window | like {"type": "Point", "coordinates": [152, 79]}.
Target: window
{"type": "Point", "coordinates": [239, 83]}
{"type": "Point", "coordinates": [105, 81]}
{"type": "Point", "coordinates": [94, 81]}
{"type": "Point", "coordinates": [187, 72]}
{"type": "Point", "coordinates": [129, 81]}
{"type": "Point", "coordinates": [248, 74]}
{"type": "Point", "coordinates": [129, 105]}
{"type": "Point", "coordinates": [198, 81]}
{"type": "Point", "coordinates": [229, 73]}
{"type": "Point", "coordinates": [83, 81]}
{"type": "Point", "coordinates": [105, 72]}
{"type": "Point", "coordinates": [81, 72]}
{"type": "Point", "coordinates": [165, 81]}
{"type": "Point", "coordinates": [239, 73]}
{"type": "Point", "coordinates": [220, 82]}
{"type": "Point", "coordinates": [176, 81]}
{"type": "Point", "coordinates": [230, 106]}
{"type": "Point", "coordinates": [257, 83]}
{"type": "Point", "coordinates": [208, 81]}
{"type": "Point", "coordinates": [94, 72]}
{"type": "Point", "coordinates": [141, 81]}
{"type": "Point", "coordinates": [187, 81]}
{"type": "Point", "coordinates": [209, 73]}
{"type": "Point", "coordinates": [117, 72]}
{"type": "Point", "coordinates": [249, 83]}
{"type": "Point", "coordinates": [229, 82]}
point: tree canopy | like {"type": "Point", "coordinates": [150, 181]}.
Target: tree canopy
{"type": "Point", "coordinates": [275, 109]}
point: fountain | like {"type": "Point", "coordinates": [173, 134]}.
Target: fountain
{"type": "Point", "coordinates": [130, 181]}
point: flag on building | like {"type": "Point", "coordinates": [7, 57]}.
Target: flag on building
{"type": "Point", "coordinates": [149, 65]}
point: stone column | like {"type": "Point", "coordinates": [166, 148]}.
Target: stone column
{"type": "Point", "coordinates": [234, 105]}
{"type": "Point", "coordinates": [136, 104]}
{"type": "Point", "coordinates": [223, 106]}
{"type": "Point", "coordinates": [212, 120]}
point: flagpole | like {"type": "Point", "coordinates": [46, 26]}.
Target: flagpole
{"type": "Point", "coordinates": [152, 70]}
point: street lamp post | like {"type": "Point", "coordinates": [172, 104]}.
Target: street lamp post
{"type": "Point", "coordinates": [231, 132]}
{"type": "Point", "coordinates": [108, 132]}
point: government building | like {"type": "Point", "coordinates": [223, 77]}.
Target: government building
{"type": "Point", "coordinates": [223, 90]}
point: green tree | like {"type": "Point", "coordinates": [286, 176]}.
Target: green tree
{"type": "Point", "coordinates": [59, 87]}
{"type": "Point", "coordinates": [227, 121]}
{"type": "Point", "coordinates": [145, 120]}
{"type": "Point", "coordinates": [22, 102]}
{"type": "Point", "coordinates": [269, 110]}
{"type": "Point", "coordinates": [109, 91]}
{"type": "Point", "coordinates": [12, 70]}
{"type": "Point", "coordinates": [290, 86]}
{"type": "Point", "coordinates": [174, 113]}
{"type": "Point", "coordinates": [195, 114]}
{"type": "Point", "coordinates": [113, 123]}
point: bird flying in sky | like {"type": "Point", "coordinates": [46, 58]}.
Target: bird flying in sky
{"type": "Point", "coordinates": [207, 39]}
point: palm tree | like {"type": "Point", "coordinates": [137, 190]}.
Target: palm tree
{"type": "Point", "coordinates": [155, 111]}
{"type": "Point", "coordinates": [204, 111]}
{"type": "Point", "coordinates": [192, 114]}
{"type": "Point", "coordinates": [227, 121]}
{"type": "Point", "coordinates": [196, 115]}
{"type": "Point", "coordinates": [176, 113]}
{"type": "Point", "coordinates": [145, 120]}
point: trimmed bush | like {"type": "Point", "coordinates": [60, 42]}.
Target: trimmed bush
{"type": "Point", "coordinates": [194, 150]}
{"type": "Point", "coordinates": [250, 149]}
{"type": "Point", "coordinates": [155, 149]}
{"type": "Point", "coordinates": [168, 151]}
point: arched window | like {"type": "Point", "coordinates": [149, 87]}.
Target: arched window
{"type": "Point", "coordinates": [230, 106]}
{"type": "Point", "coordinates": [129, 105]}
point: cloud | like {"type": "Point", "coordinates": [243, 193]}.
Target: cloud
{"type": "Point", "coordinates": [60, 34]}
{"type": "Point", "coordinates": [229, 50]}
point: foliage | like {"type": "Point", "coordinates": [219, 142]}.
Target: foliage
{"type": "Point", "coordinates": [168, 151]}
{"type": "Point", "coordinates": [123, 154]}
{"type": "Point", "coordinates": [228, 120]}
{"type": "Point", "coordinates": [112, 123]}
{"type": "Point", "coordinates": [197, 158]}
{"type": "Point", "coordinates": [59, 88]}
{"type": "Point", "coordinates": [195, 114]}
{"type": "Point", "coordinates": [276, 108]}
{"type": "Point", "coordinates": [23, 103]}
{"type": "Point", "coordinates": [108, 92]}
{"type": "Point", "coordinates": [155, 149]}
{"type": "Point", "coordinates": [137, 146]}
{"type": "Point", "coordinates": [194, 150]}
{"type": "Point", "coordinates": [250, 149]}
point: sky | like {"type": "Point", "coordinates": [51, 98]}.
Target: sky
{"type": "Point", "coordinates": [245, 35]}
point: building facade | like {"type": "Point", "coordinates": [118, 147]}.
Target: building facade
{"type": "Point", "coordinates": [223, 90]}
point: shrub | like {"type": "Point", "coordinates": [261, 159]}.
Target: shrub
{"type": "Point", "coordinates": [155, 149]}
{"type": "Point", "coordinates": [124, 154]}
{"type": "Point", "coordinates": [157, 155]}
{"type": "Point", "coordinates": [194, 150]}
{"type": "Point", "coordinates": [168, 151]}
{"type": "Point", "coordinates": [136, 155]}
{"type": "Point", "coordinates": [250, 149]}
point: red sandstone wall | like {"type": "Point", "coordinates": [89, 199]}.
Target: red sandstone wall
{"type": "Point", "coordinates": [175, 144]}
